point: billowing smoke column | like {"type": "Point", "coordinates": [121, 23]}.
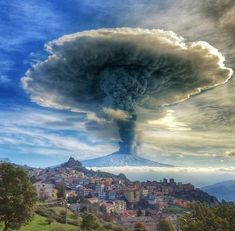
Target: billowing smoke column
{"type": "Point", "coordinates": [111, 72]}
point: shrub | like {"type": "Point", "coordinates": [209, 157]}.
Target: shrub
{"type": "Point", "coordinates": [165, 225]}
{"type": "Point", "coordinates": [62, 213]}
{"type": "Point", "coordinates": [140, 227]}
{"type": "Point", "coordinates": [49, 220]}
{"type": "Point", "coordinates": [90, 222]}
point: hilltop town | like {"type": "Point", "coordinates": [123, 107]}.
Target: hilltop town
{"type": "Point", "coordinates": [114, 197]}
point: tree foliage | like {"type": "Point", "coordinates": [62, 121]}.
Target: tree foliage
{"type": "Point", "coordinates": [165, 225]}
{"type": "Point", "coordinates": [89, 222]}
{"type": "Point", "coordinates": [204, 218]}
{"type": "Point", "coordinates": [61, 193]}
{"type": "Point", "coordinates": [17, 196]}
{"type": "Point", "coordinates": [140, 226]}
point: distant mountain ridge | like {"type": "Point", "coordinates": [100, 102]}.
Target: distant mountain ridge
{"type": "Point", "coordinates": [223, 190]}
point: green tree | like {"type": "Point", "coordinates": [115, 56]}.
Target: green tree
{"type": "Point", "coordinates": [204, 218]}
{"type": "Point", "coordinates": [165, 225]}
{"type": "Point", "coordinates": [140, 226]}
{"type": "Point", "coordinates": [226, 212]}
{"type": "Point", "coordinates": [61, 191]}
{"type": "Point", "coordinates": [17, 196]}
{"type": "Point", "coordinates": [89, 222]}
{"type": "Point", "coordinates": [72, 199]}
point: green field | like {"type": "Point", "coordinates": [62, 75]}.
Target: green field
{"type": "Point", "coordinates": [174, 209]}
{"type": "Point", "coordinates": [39, 224]}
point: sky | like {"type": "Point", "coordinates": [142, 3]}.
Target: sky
{"type": "Point", "coordinates": [197, 132]}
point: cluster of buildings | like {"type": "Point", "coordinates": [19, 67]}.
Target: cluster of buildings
{"type": "Point", "coordinates": [77, 184]}
{"type": "Point", "coordinates": [133, 202]}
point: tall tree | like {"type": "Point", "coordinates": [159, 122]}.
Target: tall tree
{"type": "Point", "coordinates": [17, 196]}
{"type": "Point", "coordinates": [61, 191]}
{"type": "Point", "coordinates": [165, 225]}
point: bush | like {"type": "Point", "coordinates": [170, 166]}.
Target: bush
{"type": "Point", "coordinates": [113, 227]}
{"type": "Point", "coordinates": [90, 222]}
{"type": "Point", "coordinates": [62, 213]}
{"type": "Point", "coordinates": [49, 220]}
{"type": "Point", "coordinates": [140, 227]}
{"type": "Point", "coordinates": [165, 225]}
{"type": "Point", "coordinates": [73, 216]}
{"type": "Point", "coordinates": [108, 226]}
{"type": "Point", "coordinates": [45, 212]}
{"type": "Point", "coordinates": [60, 219]}
{"type": "Point", "coordinates": [75, 222]}
{"type": "Point", "coordinates": [83, 209]}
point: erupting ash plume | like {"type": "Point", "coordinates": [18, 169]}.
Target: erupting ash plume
{"type": "Point", "coordinates": [111, 72]}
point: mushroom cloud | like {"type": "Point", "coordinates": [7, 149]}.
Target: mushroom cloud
{"type": "Point", "coordinates": [112, 72]}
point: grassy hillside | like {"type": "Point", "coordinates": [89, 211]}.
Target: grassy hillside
{"type": "Point", "coordinates": [52, 218]}
{"type": "Point", "coordinates": [39, 223]}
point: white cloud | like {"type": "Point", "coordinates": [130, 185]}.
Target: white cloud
{"type": "Point", "coordinates": [170, 122]}
{"type": "Point", "coordinates": [50, 133]}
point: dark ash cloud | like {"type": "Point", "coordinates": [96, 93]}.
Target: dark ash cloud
{"type": "Point", "coordinates": [110, 71]}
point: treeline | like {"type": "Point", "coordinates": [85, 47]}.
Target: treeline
{"type": "Point", "coordinates": [216, 218]}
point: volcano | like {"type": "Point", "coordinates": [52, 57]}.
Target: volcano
{"type": "Point", "coordinates": [122, 160]}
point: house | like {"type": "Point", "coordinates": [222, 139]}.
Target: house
{"type": "Point", "coordinates": [83, 191]}
{"type": "Point", "coordinates": [93, 200]}
{"type": "Point", "coordinates": [182, 203]}
{"type": "Point", "coordinates": [120, 205]}
{"type": "Point", "coordinates": [152, 199]}
{"type": "Point", "coordinates": [112, 195]}
{"type": "Point", "coordinates": [45, 191]}
{"type": "Point", "coordinates": [114, 206]}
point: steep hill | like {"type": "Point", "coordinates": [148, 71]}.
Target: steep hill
{"type": "Point", "coordinates": [77, 165]}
